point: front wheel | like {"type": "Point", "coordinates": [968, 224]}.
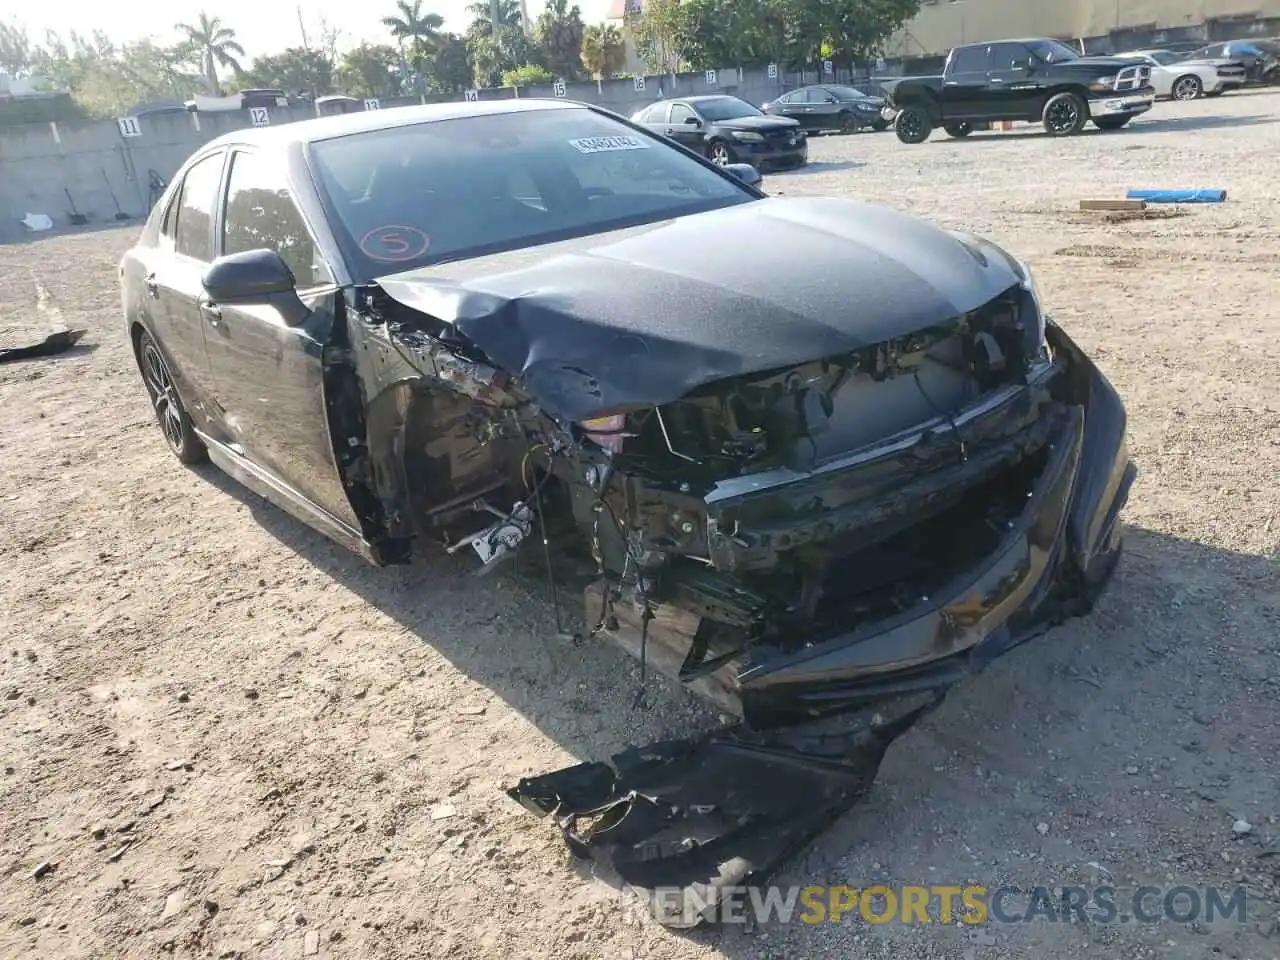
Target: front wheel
{"type": "Point", "coordinates": [913, 125]}
{"type": "Point", "coordinates": [1065, 114]}
{"type": "Point", "coordinates": [1187, 87]}
{"type": "Point", "coordinates": [719, 153]}
{"type": "Point", "coordinates": [170, 413]}
{"type": "Point", "coordinates": [958, 130]}
{"type": "Point", "coordinates": [846, 122]}
{"type": "Point", "coordinates": [1111, 123]}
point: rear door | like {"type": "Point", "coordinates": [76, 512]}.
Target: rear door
{"type": "Point", "coordinates": [268, 376]}
{"type": "Point", "coordinates": [964, 85]}
{"type": "Point", "coordinates": [655, 118]}
{"type": "Point", "coordinates": [172, 283]}
{"type": "Point", "coordinates": [791, 105]}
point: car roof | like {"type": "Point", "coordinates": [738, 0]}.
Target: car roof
{"type": "Point", "coordinates": [363, 121]}
{"type": "Point", "coordinates": [697, 98]}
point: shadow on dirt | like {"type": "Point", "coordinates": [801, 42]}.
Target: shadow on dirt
{"type": "Point", "coordinates": [1137, 127]}
{"type": "Point", "coordinates": [820, 166]}
{"type": "Point", "coordinates": [1167, 667]}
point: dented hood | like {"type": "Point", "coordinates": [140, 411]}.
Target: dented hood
{"type": "Point", "coordinates": [643, 316]}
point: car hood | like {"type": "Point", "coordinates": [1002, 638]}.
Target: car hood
{"type": "Point", "coordinates": [1100, 63]}
{"type": "Point", "coordinates": [760, 124]}
{"type": "Point", "coordinates": [643, 316]}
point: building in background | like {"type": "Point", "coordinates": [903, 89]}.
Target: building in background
{"type": "Point", "coordinates": [618, 10]}
{"type": "Point", "coordinates": [1101, 24]}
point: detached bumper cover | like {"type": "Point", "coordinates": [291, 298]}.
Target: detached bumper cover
{"type": "Point", "coordinates": [728, 809]}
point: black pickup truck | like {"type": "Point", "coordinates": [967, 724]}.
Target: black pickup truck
{"type": "Point", "coordinates": [1038, 80]}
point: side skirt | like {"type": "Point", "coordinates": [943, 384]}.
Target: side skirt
{"type": "Point", "coordinates": [274, 490]}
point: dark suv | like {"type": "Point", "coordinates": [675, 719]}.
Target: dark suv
{"type": "Point", "coordinates": [728, 130]}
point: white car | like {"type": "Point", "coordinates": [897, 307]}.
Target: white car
{"type": "Point", "coordinates": [1188, 79]}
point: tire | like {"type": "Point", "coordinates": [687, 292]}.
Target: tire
{"type": "Point", "coordinates": [1065, 114]}
{"type": "Point", "coordinates": [958, 130]}
{"type": "Point", "coordinates": [846, 122]}
{"type": "Point", "coordinates": [913, 124]}
{"type": "Point", "coordinates": [1111, 123]}
{"type": "Point", "coordinates": [175, 425]}
{"type": "Point", "coordinates": [1188, 87]}
{"type": "Point", "coordinates": [1215, 93]}
{"type": "Point", "coordinates": [719, 153]}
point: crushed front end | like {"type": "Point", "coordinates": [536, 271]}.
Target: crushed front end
{"type": "Point", "coordinates": [821, 548]}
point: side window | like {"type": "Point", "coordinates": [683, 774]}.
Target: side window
{"type": "Point", "coordinates": [1004, 55]}
{"type": "Point", "coordinates": [261, 213]}
{"type": "Point", "coordinates": [791, 97]}
{"type": "Point", "coordinates": [816, 95]}
{"type": "Point", "coordinates": [969, 60]}
{"type": "Point", "coordinates": [193, 233]}
{"type": "Point", "coordinates": [680, 113]}
{"type": "Point", "coordinates": [654, 114]}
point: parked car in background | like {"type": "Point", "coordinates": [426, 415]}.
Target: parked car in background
{"type": "Point", "coordinates": [1174, 76]}
{"type": "Point", "coordinates": [830, 106]}
{"type": "Point", "coordinates": [1032, 80]}
{"type": "Point", "coordinates": [1260, 58]}
{"type": "Point", "coordinates": [728, 130]}
{"type": "Point", "coordinates": [335, 103]}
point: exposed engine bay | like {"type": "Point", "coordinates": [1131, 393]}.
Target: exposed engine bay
{"type": "Point", "coordinates": [778, 507]}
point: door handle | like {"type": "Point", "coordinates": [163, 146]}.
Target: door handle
{"type": "Point", "coordinates": [995, 80]}
{"type": "Point", "coordinates": [212, 312]}
{"type": "Point", "coordinates": [152, 285]}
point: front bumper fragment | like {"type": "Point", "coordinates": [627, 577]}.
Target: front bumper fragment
{"type": "Point", "coordinates": [1119, 105]}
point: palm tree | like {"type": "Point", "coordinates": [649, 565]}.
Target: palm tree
{"type": "Point", "coordinates": [510, 16]}
{"type": "Point", "coordinates": [413, 24]}
{"type": "Point", "coordinates": [604, 51]}
{"type": "Point", "coordinates": [214, 44]}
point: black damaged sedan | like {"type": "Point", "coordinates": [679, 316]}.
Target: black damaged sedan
{"type": "Point", "coordinates": [818, 496]}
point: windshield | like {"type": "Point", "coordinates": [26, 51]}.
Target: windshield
{"type": "Point", "coordinates": [430, 192]}
{"type": "Point", "coordinates": [848, 93]}
{"type": "Point", "coordinates": [1165, 56]}
{"type": "Point", "coordinates": [726, 108]}
{"type": "Point", "coordinates": [1051, 51]}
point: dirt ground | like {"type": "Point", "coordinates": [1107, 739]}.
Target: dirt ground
{"type": "Point", "coordinates": [229, 738]}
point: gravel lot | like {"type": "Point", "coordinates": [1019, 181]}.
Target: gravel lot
{"type": "Point", "coordinates": [230, 738]}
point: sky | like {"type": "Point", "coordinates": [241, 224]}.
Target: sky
{"type": "Point", "coordinates": [261, 26]}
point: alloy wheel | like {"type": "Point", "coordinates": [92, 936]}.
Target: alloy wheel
{"type": "Point", "coordinates": [1187, 88]}
{"type": "Point", "coordinates": [720, 154]}
{"type": "Point", "coordinates": [164, 397]}
{"type": "Point", "coordinates": [1063, 115]}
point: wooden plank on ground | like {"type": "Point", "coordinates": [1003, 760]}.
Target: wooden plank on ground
{"type": "Point", "coordinates": [669, 639]}
{"type": "Point", "coordinates": [1113, 204]}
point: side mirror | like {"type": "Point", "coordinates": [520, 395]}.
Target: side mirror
{"type": "Point", "coordinates": [830, 100]}
{"type": "Point", "coordinates": [745, 172]}
{"type": "Point", "coordinates": [251, 276]}
{"type": "Point", "coordinates": [693, 121]}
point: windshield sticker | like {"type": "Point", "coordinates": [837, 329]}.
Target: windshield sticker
{"type": "Point", "coordinates": [394, 243]}
{"type": "Point", "coordinates": [607, 144]}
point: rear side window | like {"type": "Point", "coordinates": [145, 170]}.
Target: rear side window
{"type": "Point", "coordinates": [1005, 55]}
{"type": "Point", "coordinates": [193, 233]}
{"type": "Point", "coordinates": [969, 60]}
{"type": "Point", "coordinates": [261, 214]}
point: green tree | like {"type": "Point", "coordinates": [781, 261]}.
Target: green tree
{"type": "Point", "coordinates": [17, 55]}
{"type": "Point", "coordinates": [660, 30]}
{"type": "Point", "coordinates": [369, 70]}
{"type": "Point", "coordinates": [527, 76]}
{"type": "Point", "coordinates": [558, 33]}
{"type": "Point", "coordinates": [107, 81]}
{"type": "Point", "coordinates": [214, 45]}
{"type": "Point", "coordinates": [491, 54]}
{"type": "Point", "coordinates": [294, 70]}
{"type": "Point", "coordinates": [604, 50]}
{"type": "Point", "coordinates": [448, 67]}
{"type": "Point", "coordinates": [419, 29]}
{"type": "Point", "coordinates": [855, 30]}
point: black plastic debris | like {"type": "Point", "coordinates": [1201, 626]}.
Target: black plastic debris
{"type": "Point", "coordinates": [684, 822]}
{"type": "Point", "coordinates": [51, 345]}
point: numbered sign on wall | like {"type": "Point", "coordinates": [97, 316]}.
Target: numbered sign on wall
{"type": "Point", "coordinates": [773, 71]}
{"type": "Point", "coordinates": [473, 94]}
{"type": "Point", "coordinates": [129, 127]}
{"type": "Point", "coordinates": [828, 67]}
{"type": "Point", "coordinates": [371, 103]}
{"type": "Point", "coordinates": [259, 116]}
{"type": "Point", "coordinates": [558, 87]}
{"type": "Point", "coordinates": [711, 78]}
{"type": "Point", "coordinates": [638, 83]}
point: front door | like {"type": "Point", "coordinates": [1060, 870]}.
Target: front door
{"type": "Point", "coordinates": [686, 127]}
{"type": "Point", "coordinates": [1017, 91]}
{"type": "Point", "coordinates": [267, 360]}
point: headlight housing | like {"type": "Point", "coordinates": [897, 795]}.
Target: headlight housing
{"type": "Point", "coordinates": [1102, 84]}
{"type": "Point", "coordinates": [1035, 330]}
{"type": "Point", "coordinates": [747, 136]}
